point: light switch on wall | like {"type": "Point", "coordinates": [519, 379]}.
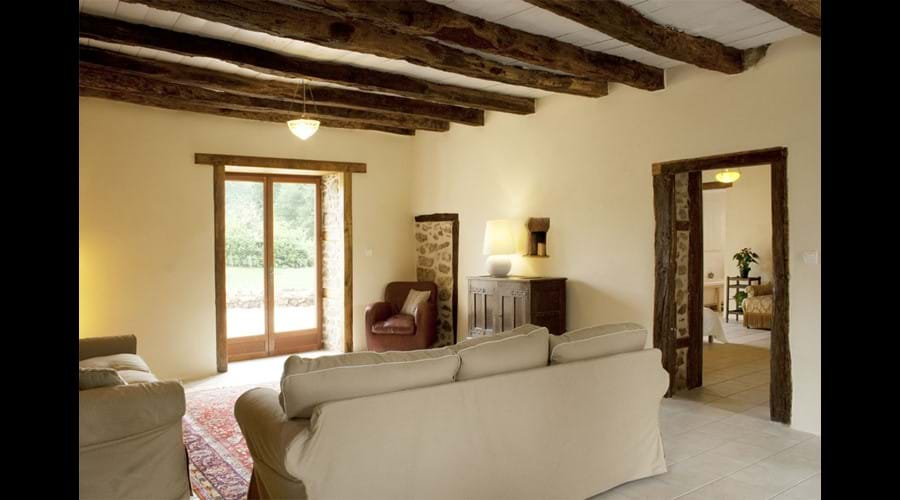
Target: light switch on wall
{"type": "Point", "coordinates": [811, 257]}
{"type": "Point", "coordinates": [368, 252]}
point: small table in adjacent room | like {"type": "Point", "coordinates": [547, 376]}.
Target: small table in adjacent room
{"type": "Point", "coordinates": [737, 284]}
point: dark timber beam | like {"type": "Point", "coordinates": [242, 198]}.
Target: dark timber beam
{"type": "Point", "coordinates": [114, 31]}
{"type": "Point", "coordinates": [283, 20]}
{"type": "Point", "coordinates": [182, 74]}
{"type": "Point", "coordinates": [421, 18]}
{"type": "Point", "coordinates": [100, 79]}
{"type": "Point", "coordinates": [179, 105]}
{"type": "Point", "coordinates": [625, 23]}
{"type": "Point", "coordinates": [804, 14]}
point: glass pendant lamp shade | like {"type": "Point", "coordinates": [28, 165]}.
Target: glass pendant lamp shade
{"type": "Point", "coordinates": [304, 128]}
{"type": "Point", "coordinates": [728, 176]}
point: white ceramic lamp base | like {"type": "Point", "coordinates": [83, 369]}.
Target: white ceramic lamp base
{"type": "Point", "coordinates": [498, 265]}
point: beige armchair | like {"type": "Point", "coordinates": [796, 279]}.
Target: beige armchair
{"type": "Point", "coordinates": [130, 443]}
{"type": "Point", "coordinates": [757, 307]}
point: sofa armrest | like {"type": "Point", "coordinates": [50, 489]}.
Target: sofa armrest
{"type": "Point", "coordinates": [271, 436]}
{"type": "Point", "coordinates": [115, 412]}
{"type": "Point", "coordinates": [106, 346]}
{"type": "Point", "coordinates": [379, 311]}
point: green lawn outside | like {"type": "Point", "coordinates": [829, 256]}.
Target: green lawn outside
{"type": "Point", "coordinates": [250, 278]}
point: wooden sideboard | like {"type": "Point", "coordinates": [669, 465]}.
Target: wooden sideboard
{"type": "Point", "coordinates": [500, 304]}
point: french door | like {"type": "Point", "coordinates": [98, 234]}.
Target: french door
{"type": "Point", "coordinates": [273, 249]}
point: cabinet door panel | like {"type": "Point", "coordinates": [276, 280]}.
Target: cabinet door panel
{"type": "Point", "coordinates": [514, 304]}
{"type": "Point", "coordinates": [482, 297]}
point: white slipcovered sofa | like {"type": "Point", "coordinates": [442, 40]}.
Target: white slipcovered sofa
{"type": "Point", "coordinates": [519, 415]}
{"type": "Point", "coordinates": [130, 443]}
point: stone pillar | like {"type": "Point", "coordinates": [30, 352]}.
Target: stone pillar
{"type": "Point", "coordinates": [332, 262]}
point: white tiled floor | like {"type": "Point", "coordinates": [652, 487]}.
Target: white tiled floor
{"type": "Point", "coordinates": [718, 454]}
{"type": "Point", "coordinates": [252, 371]}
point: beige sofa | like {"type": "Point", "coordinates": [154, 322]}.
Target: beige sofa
{"type": "Point", "coordinates": [758, 307]}
{"type": "Point", "coordinates": [520, 415]}
{"type": "Point", "coordinates": [130, 443]}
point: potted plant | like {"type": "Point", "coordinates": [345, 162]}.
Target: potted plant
{"type": "Point", "coordinates": [744, 258]}
{"type": "Point", "coordinates": [739, 297]}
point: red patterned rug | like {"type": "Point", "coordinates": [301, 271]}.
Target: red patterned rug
{"type": "Point", "coordinates": [220, 463]}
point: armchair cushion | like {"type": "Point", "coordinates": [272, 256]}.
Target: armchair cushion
{"type": "Point", "coordinates": [117, 362]}
{"type": "Point", "coordinates": [413, 299]}
{"type": "Point", "coordinates": [93, 347]}
{"type": "Point", "coordinates": [759, 290]}
{"type": "Point", "coordinates": [398, 324]}
{"type": "Point", "coordinates": [91, 378]}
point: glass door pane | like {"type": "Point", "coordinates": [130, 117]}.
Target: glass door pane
{"type": "Point", "coordinates": [295, 255]}
{"type": "Point", "coordinates": [245, 258]}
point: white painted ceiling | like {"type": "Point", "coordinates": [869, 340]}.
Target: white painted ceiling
{"type": "Point", "coordinates": [731, 22]}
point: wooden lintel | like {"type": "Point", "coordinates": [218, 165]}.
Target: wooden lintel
{"type": "Point", "coordinates": [269, 162]}
{"type": "Point", "coordinates": [731, 160]}
{"type": "Point", "coordinates": [717, 185]}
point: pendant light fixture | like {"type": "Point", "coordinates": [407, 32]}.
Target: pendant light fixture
{"type": "Point", "coordinates": [304, 127]}
{"type": "Point", "coordinates": [728, 176]}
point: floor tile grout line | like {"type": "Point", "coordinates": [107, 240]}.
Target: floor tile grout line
{"type": "Point", "coordinates": [748, 465]}
{"type": "Point", "coordinates": [795, 485]}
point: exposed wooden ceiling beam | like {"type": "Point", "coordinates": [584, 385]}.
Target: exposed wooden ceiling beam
{"type": "Point", "coordinates": [179, 105]}
{"type": "Point", "coordinates": [199, 77]}
{"type": "Point", "coordinates": [330, 31]}
{"type": "Point", "coordinates": [421, 18]}
{"type": "Point", "coordinates": [111, 30]}
{"type": "Point", "coordinates": [625, 23]}
{"type": "Point", "coordinates": [94, 77]}
{"type": "Point", "coordinates": [804, 14]}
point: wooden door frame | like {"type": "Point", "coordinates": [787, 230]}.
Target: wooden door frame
{"type": "Point", "coordinates": [301, 166]}
{"type": "Point", "coordinates": [780, 385]}
{"type": "Point", "coordinates": [276, 343]}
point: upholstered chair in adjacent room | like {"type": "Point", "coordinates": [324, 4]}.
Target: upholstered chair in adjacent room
{"type": "Point", "coordinates": [389, 328]}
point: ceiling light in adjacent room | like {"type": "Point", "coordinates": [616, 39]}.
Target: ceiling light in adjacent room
{"type": "Point", "coordinates": [728, 176]}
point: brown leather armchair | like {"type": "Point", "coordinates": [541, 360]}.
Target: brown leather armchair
{"type": "Point", "coordinates": [389, 330]}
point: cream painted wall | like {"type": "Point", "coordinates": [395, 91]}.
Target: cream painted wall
{"type": "Point", "coordinates": [146, 222]}
{"type": "Point", "coordinates": [585, 163]}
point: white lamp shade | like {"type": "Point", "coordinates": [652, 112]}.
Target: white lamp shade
{"type": "Point", "coordinates": [303, 127]}
{"type": "Point", "coordinates": [498, 238]}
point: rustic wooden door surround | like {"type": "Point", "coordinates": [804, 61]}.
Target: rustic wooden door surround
{"type": "Point", "coordinates": [285, 166]}
{"type": "Point", "coordinates": [678, 295]}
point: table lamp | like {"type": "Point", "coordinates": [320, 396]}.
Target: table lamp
{"type": "Point", "coordinates": [498, 245]}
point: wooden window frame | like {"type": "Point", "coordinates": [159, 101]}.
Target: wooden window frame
{"type": "Point", "coordinates": [271, 342]}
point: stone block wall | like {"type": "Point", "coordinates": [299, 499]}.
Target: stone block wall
{"type": "Point", "coordinates": [332, 262]}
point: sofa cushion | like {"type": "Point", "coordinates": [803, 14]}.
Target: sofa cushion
{"type": "Point", "coordinates": [117, 362]}
{"type": "Point", "coordinates": [307, 382]}
{"type": "Point", "coordinates": [137, 377]}
{"type": "Point", "coordinates": [597, 342]}
{"type": "Point", "coordinates": [521, 348]}
{"type": "Point", "coordinates": [91, 378]}
{"type": "Point", "coordinates": [398, 324]}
